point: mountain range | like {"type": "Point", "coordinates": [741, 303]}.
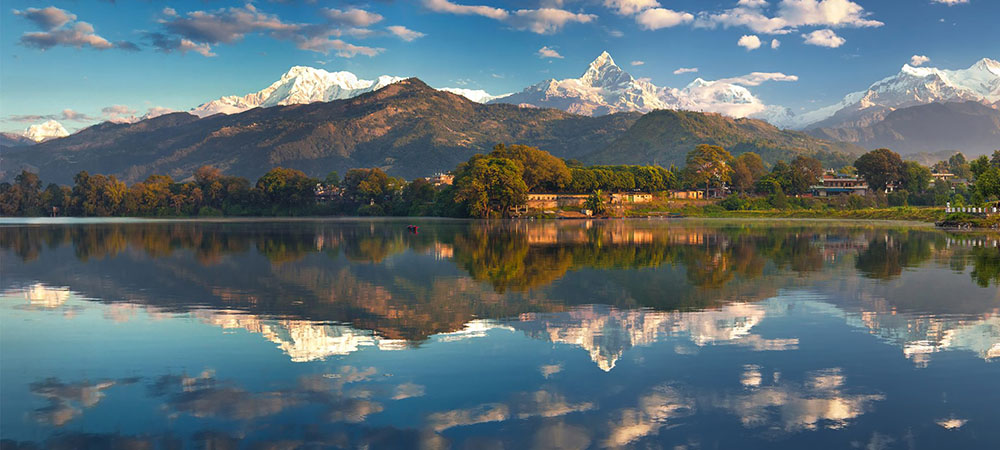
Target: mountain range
{"type": "Point", "coordinates": [912, 86]}
{"type": "Point", "coordinates": [920, 109]}
{"type": "Point", "coordinates": [407, 128]}
{"type": "Point", "coordinates": [969, 126]}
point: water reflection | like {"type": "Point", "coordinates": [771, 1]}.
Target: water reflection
{"type": "Point", "coordinates": [517, 335]}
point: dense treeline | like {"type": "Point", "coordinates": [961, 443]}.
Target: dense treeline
{"type": "Point", "coordinates": [494, 184]}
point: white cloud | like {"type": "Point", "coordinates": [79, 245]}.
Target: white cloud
{"type": "Point", "coordinates": [775, 43]}
{"type": "Point", "coordinates": [446, 6]}
{"type": "Point", "coordinates": [546, 20]}
{"type": "Point", "coordinates": [197, 31]}
{"type": "Point", "coordinates": [749, 42]}
{"type": "Point", "coordinates": [836, 13]}
{"type": "Point", "coordinates": [756, 78]}
{"type": "Point", "coordinates": [637, 63]}
{"type": "Point", "coordinates": [47, 18]}
{"type": "Point", "coordinates": [824, 38]}
{"type": "Point", "coordinates": [352, 16]}
{"type": "Point", "coordinates": [404, 33]}
{"type": "Point", "coordinates": [117, 113]}
{"type": "Point", "coordinates": [629, 7]}
{"type": "Point", "coordinates": [541, 20]}
{"type": "Point", "coordinates": [918, 60]}
{"type": "Point", "coordinates": [656, 18]}
{"type": "Point", "coordinates": [546, 52]}
{"type": "Point", "coordinates": [341, 48]}
{"type": "Point", "coordinates": [686, 70]}
{"type": "Point", "coordinates": [950, 2]}
{"type": "Point", "coordinates": [791, 14]}
{"type": "Point", "coordinates": [60, 28]}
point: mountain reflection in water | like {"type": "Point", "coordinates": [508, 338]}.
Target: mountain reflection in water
{"type": "Point", "coordinates": [479, 334]}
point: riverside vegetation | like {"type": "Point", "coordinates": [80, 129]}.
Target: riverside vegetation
{"type": "Point", "coordinates": [493, 184]}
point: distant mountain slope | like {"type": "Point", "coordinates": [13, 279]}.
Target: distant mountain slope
{"type": "Point", "coordinates": [665, 137]}
{"type": "Point", "coordinates": [407, 128]}
{"type": "Point", "coordinates": [15, 140]}
{"type": "Point", "coordinates": [969, 127]}
{"type": "Point", "coordinates": [910, 87]}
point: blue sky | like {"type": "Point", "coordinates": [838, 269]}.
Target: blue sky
{"type": "Point", "coordinates": [78, 58]}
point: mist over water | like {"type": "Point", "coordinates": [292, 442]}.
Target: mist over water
{"type": "Point", "coordinates": [570, 334]}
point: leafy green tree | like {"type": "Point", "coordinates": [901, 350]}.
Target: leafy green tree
{"type": "Point", "coordinates": [880, 168]}
{"type": "Point", "coordinates": [708, 164]}
{"type": "Point", "coordinates": [595, 203]}
{"type": "Point", "coordinates": [490, 186]}
{"type": "Point", "coordinates": [988, 183]}
{"type": "Point", "coordinates": [747, 169]}
{"type": "Point", "coordinates": [805, 173]}
{"type": "Point", "coordinates": [286, 188]}
{"type": "Point", "coordinates": [542, 172]}
{"type": "Point", "coordinates": [979, 165]}
{"type": "Point", "coordinates": [332, 179]}
{"type": "Point", "coordinates": [418, 196]}
{"type": "Point", "coordinates": [371, 187]}
{"type": "Point", "coordinates": [959, 166]}
{"type": "Point", "coordinates": [916, 178]}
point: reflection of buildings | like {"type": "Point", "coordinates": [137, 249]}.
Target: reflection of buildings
{"type": "Point", "coordinates": [606, 333]}
{"type": "Point", "coordinates": [301, 340]}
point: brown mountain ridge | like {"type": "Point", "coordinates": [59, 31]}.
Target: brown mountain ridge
{"type": "Point", "coordinates": [407, 128]}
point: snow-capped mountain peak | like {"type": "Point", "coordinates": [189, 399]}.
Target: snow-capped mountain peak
{"type": "Point", "coordinates": [910, 87]}
{"type": "Point", "coordinates": [44, 131]}
{"type": "Point", "coordinates": [476, 95]}
{"type": "Point", "coordinates": [606, 88]}
{"type": "Point", "coordinates": [303, 84]}
{"type": "Point", "coordinates": [300, 84]}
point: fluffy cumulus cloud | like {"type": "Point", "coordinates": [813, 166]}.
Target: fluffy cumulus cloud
{"type": "Point", "coordinates": [637, 63]}
{"type": "Point", "coordinates": [404, 33]}
{"type": "Point", "coordinates": [656, 18]}
{"type": "Point", "coordinates": [824, 38]}
{"type": "Point", "coordinates": [950, 2]}
{"type": "Point", "coordinates": [749, 42]}
{"type": "Point", "coordinates": [789, 16]}
{"type": "Point", "coordinates": [66, 114]}
{"type": "Point", "coordinates": [919, 60]}
{"type": "Point", "coordinates": [198, 31]}
{"type": "Point", "coordinates": [546, 20]}
{"type": "Point", "coordinates": [167, 44]}
{"type": "Point", "coordinates": [546, 52]}
{"type": "Point", "coordinates": [541, 20]}
{"type": "Point", "coordinates": [445, 6]}
{"type": "Point", "coordinates": [629, 7]}
{"type": "Point", "coordinates": [683, 70]}
{"type": "Point", "coordinates": [118, 113]}
{"type": "Point", "coordinates": [353, 17]}
{"type": "Point", "coordinates": [60, 28]}
{"type": "Point", "coordinates": [756, 78]}
{"type": "Point", "coordinates": [47, 18]}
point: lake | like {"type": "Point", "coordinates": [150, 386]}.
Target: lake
{"type": "Point", "coordinates": [677, 334]}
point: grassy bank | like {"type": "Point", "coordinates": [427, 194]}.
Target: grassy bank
{"type": "Point", "coordinates": [909, 213]}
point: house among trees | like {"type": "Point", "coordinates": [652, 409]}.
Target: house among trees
{"type": "Point", "coordinates": [441, 179]}
{"type": "Point", "coordinates": [839, 184]}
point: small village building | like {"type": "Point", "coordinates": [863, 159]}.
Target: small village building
{"type": "Point", "coordinates": [838, 184]}
{"type": "Point", "coordinates": [441, 179]}
{"type": "Point", "coordinates": [684, 194]}
{"type": "Point", "coordinates": [943, 176]}
{"type": "Point", "coordinates": [631, 198]}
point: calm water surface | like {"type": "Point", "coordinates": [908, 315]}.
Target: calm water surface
{"type": "Point", "coordinates": [643, 334]}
